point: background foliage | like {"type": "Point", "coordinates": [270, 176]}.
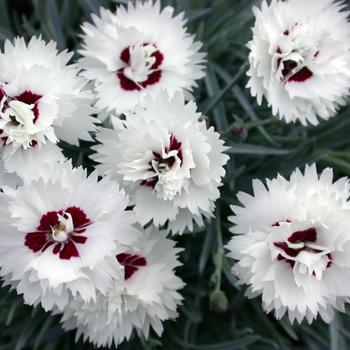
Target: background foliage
{"type": "Point", "coordinates": [215, 314]}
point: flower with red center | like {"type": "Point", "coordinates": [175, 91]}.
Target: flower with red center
{"type": "Point", "coordinates": [301, 247]}
{"type": "Point", "coordinates": [141, 68]}
{"type": "Point", "coordinates": [137, 52]}
{"type": "Point", "coordinates": [60, 235]}
{"type": "Point", "coordinates": [167, 160]}
{"type": "Point", "coordinates": [292, 243]}
{"type": "Point", "coordinates": [147, 296]}
{"type": "Point", "coordinates": [62, 230]}
{"type": "Point", "coordinates": [299, 58]}
{"type": "Point", "coordinates": [42, 101]}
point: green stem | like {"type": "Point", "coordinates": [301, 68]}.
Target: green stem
{"type": "Point", "coordinates": [219, 255]}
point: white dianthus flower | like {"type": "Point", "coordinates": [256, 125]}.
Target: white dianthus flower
{"type": "Point", "coordinates": [300, 58]}
{"type": "Point", "coordinates": [42, 101]}
{"type": "Point", "coordinates": [147, 296]}
{"type": "Point", "coordinates": [292, 244]}
{"type": "Point", "coordinates": [59, 236]}
{"type": "Point", "coordinates": [137, 52]}
{"type": "Point", "coordinates": [169, 163]}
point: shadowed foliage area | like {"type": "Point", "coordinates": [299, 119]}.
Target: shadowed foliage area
{"type": "Point", "coordinates": [215, 314]}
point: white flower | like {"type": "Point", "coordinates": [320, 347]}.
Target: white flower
{"type": "Point", "coordinates": [59, 236]}
{"type": "Point", "coordinates": [42, 100]}
{"type": "Point", "coordinates": [293, 244]}
{"type": "Point", "coordinates": [136, 52]}
{"type": "Point", "coordinates": [147, 297]}
{"type": "Point", "coordinates": [300, 58]}
{"type": "Point", "coordinates": [170, 164]}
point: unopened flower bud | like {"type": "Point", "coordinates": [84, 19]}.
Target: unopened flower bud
{"type": "Point", "coordinates": [218, 301]}
{"type": "Point", "coordinates": [239, 132]}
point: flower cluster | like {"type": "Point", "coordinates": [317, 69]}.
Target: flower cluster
{"type": "Point", "coordinates": [93, 247]}
{"type": "Point", "coordinates": [74, 243]}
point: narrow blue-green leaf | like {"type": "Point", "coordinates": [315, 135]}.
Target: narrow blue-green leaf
{"type": "Point", "coordinates": [337, 163]}
{"type": "Point", "coordinates": [54, 22]}
{"type": "Point", "coordinates": [4, 15]}
{"type": "Point", "coordinates": [230, 345]}
{"type": "Point", "coordinates": [213, 89]}
{"type": "Point", "coordinates": [90, 6]}
{"type": "Point", "coordinates": [47, 324]}
{"type": "Point", "coordinates": [194, 15]}
{"type": "Point", "coordinates": [336, 336]}
{"type": "Point", "coordinates": [207, 246]}
{"type": "Point", "coordinates": [5, 34]}
{"type": "Point", "coordinates": [242, 99]}
{"type": "Point", "coordinates": [257, 150]}
{"type": "Point", "coordinates": [220, 95]}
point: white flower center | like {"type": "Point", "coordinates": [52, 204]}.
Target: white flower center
{"type": "Point", "coordinates": [170, 178]}
{"type": "Point", "coordinates": [61, 231]}
{"type": "Point", "coordinates": [18, 126]}
{"type": "Point", "coordinates": [313, 259]}
{"type": "Point", "coordinates": [140, 63]}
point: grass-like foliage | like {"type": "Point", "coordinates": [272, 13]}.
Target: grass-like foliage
{"type": "Point", "coordinates": [215, 315]}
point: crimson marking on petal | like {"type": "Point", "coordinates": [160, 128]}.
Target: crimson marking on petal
{"type": "Point", "coordinates": [79, 239]}
{"type": "Point", "coordinates": [79, 217]}
{"type": "Point", "coordinates": [309, 235]}
{"type": "Point", "coordinates": [69, 250]}
{"type": "Point", "coordinates": [278, 223]}
{"type": "Point", "coordinates": [30, 98]}
{"type": "Point", "coordinates": [303, 75]}
{"type": "Point", "coordinates": [42, 239]}
{"type": "Point", "coordinates": [289, 251]}
{"type": "Point", "coordinates": [125, 55]}
{"type": "Point", "coordinates": [131, 263]}
{"type": "Point", "coordinates": [48, 220]}
{"type": "Point", "coordinates": [57, 248]}
{"type": "Point", "coordinates": [152, 182]}
{"type": "Point", "coordinates": [175, 145]}
{"type": "Point", "coordinates": [36, 240]}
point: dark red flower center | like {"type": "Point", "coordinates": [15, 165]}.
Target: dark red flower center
{"type": "Point", "coordinates": [131, 263]}
{"type": "Point", "coordinates": [299, 77]}
{"type": "Point", "coordinates": [44, 236]}
{"type": "Point", "coordinates": [174, 145]}
{"type": "Point", "coordinates": [305, 236]}
{"type": "Point", "coordinates": [153, 78]}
